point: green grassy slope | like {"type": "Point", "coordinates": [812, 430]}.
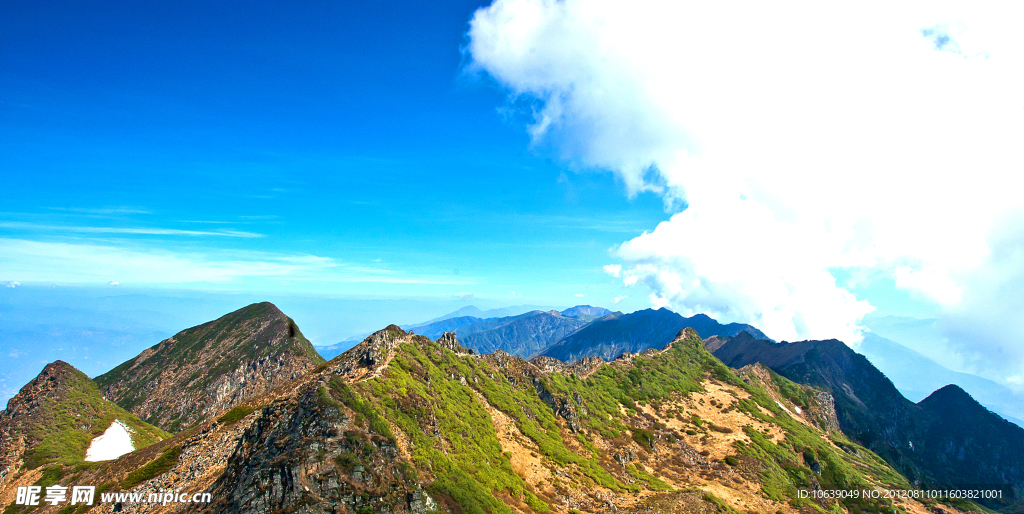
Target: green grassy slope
{"type": "Point", "coordinates": [432, 395]}
{"type": "Point", "coordinates": [60, 429]}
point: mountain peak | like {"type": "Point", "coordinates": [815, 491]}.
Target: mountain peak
{"type": "Point", "coordinates": [927, 441]}
{"type": "Point", "coordinates": [55, 417]}
{"type": "Point", "coordinates": [585, 310]}
{"type": "Point", "coordinates": [951, 391]}
{"type": "Point", "coordinates": [53, 382]}
{"type": "Point", "coordinates": [212, 367]}
{"type": "Point", "coordinates": [952, 398]}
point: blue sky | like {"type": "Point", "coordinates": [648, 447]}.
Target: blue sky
{"type": "Point", "coordinates": [394, 162]}
{"type": "Point", "coordinates": [344, 142]}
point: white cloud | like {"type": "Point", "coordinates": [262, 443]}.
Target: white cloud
{"type": "Point", "coordinates": [126, 230]}
{"type": "Point", "coordinates": [614, 270]}
{"type": "Point", "coordinates": [114, 283]}
{"type": "Point", "coordinates": [93, 263]}
{"type": "Point", "coordinates": [578, 295]}
{"type": "Point", "coordinates": [12, 284]}
{"type": "Point", "coordinates": [803, 137]}
{"type": "Point", "coordinates": [618, 299]}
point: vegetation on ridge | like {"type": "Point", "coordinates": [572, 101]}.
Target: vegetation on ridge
{"type": "Point", "coordinates": [439, 400]}
{"type": "Point", "coordinates": [56, 425]}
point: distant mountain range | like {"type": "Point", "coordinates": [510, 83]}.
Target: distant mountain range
{"type": "Point", "coordinates": [518, 332]}
{"type": "Point", "coordinates": [473, 311]}
{"type": "Point", "coordinates": [523, 335]}
{"type": "Point", "coordinates": [450, 322]}
{"type": "Point", "coordinates": [612, 335]}
{"type": "Point", "coordinates": [917, 376]}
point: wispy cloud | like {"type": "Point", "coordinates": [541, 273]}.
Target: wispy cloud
{"type": "Point", "coordinates": [35, 261]}
{"type": "Point", "coordinates": [107, 210]}
{"type": "Point", "coordinates": [21, 225]}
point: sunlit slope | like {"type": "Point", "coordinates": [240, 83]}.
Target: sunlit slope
{"type": "Point", "coordinates": [53, 420]}
{"type": "Point", "coordinates": [210, 368]}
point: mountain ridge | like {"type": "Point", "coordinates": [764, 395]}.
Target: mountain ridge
{"type": "Point", "coordinates": [917, 376]}
{"type": "Point", "coordinates": [402, 423]}
{"type": "Point", "coordinates": [871, 411]}
{"type": "Point", "coordinates": [211, 367]}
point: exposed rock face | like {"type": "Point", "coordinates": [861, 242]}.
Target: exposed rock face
{"type": "Point", "coordinates": [815, 406]}
{"type": "Point", "coordinates": [448, 340]}
{"type": "Point", "coordinates": [369, 358]}
{"type": "Point", "coordinates": [311, 453]}
{"type": "Point", "coordinates": [54, 418]}
{"type": "Point", "coordinates": [208, 369]}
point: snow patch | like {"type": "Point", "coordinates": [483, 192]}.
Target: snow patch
{"type": "Point", "coordinates": [781, 405]}
{"type": "Point", "coordinates": [113, 443]}
{"type": "Point", "coordinates": [798, 411]}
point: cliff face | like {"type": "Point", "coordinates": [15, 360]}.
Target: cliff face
{"type": "Point", "coordinates": [54, 418]}
{"type": "Point", "coordinates": [210, 368]}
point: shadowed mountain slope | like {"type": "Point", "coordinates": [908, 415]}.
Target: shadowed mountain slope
{"type": "Point", "coordinates": [635, 332]}
{"type": "Point", "coordinates": [929, 442]}
{"type": "Point", "coordinates": [209, 368]}
{"type": "Point", "coordinates": [523, 335]}
{"type": "Point", "coordinates": [917, 376]}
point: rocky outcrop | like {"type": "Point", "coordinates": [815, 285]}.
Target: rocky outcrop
{"type": "Point", "coordinates": [448, 340]}
{"type": "Point", "coordinates": [208, 369]}
{"type": "Point", "coordinates": [814, 406]}
{"type": "Point", "coordinates": [369, 358]}
{"type": "Point", "coordinates": [311, 456]}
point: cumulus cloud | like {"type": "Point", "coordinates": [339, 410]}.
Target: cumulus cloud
{"type": "Point", "coordinates": [578, 295]}
{"type": "Point", "coordinates": [12, 284]}
{"type": "Point", "coordinates": [792, 141]}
